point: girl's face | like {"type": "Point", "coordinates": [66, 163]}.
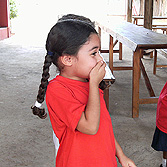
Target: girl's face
{"type": "Point", "coordinates": [87, 57]}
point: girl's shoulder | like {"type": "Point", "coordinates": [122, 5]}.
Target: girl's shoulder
{"type": "Point", "coordinates": [57, 84]}
{"type": "Point", "coordinates": [63, 82]}
{"type": "Point", "coordinates": [67, 88]}
{"type": "Point", "coordinates": [62, 86]}
{"type": "Point", "coordinates": [58, 90]}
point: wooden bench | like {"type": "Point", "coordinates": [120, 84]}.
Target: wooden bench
{"type": "Point", "coordinates": [136, 18]}
{"type": "Point", "coordinates": [158, 26]}
{"type": "Point", "coordinates": [161, 27]}
{"type": "Point", "coordinates": [163, 52]}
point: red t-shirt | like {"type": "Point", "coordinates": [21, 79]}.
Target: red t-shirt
{"type": "Point", "coordinates": [161, 118]}
{"type": "Point", "coordinates": [66, 99]}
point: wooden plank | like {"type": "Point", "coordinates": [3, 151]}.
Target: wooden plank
{"type": "Point", "coordinates": [104, 51]}
{"type": "Point", "coordinates": [147, 81]}
{"type": "Point", "coordinates": [107, 51]}
{"type": "Point", "coordinates": [115, 43]}
{"type": "Point", "coordinates": [154, 25]}
{"type": "Point", "coordinates": [160, 27]}
{"type": "Point", "coordinates": [122, 68]}
{"type": "Point", "coordinates": [153, 17]}
{"type": "Point", "coordinates": [161, 65]}
{"type": "Point", "coordinates": [151, 100]}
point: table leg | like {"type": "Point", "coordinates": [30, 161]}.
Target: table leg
{"type": "Point", "coordinates": [134, 21]}
{"type": "Point", "coordinates": [111, 53]}
{"type": "Point", "coordinates": [120, 51]}
{"type": "Point", "coordinates": [155, 62]}
{"type": "Point", "coordinates": [135, 83]}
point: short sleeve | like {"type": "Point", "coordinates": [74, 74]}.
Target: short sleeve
{"type": "Point", "coordinates": [63, 105]}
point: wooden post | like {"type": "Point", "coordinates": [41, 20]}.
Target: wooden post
{"type": "Point", "coordinates": [129, 11]}
{"type": "Point", "coordinates": [148, 13]}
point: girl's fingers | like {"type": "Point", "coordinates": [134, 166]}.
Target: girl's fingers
{"type": "Point", "coordinates": [101, 64]}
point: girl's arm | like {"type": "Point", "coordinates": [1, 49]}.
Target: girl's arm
{"type": "Point", "coordinates": [123, 159]}
{"type": "Point", "coordinates": [90, 118]}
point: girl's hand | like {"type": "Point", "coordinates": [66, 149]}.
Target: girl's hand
{"type": "Point", "coordinates": [97, 73]}
{"type": "Point", "coordinates": [90, 118]}
{"type": "Point", "coordinates": [126, 162]}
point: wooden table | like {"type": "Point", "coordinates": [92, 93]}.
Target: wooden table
{"type": "Point", "coordinates": [136, 38]}
{"type": "Point", "coordinates": [136, 18]}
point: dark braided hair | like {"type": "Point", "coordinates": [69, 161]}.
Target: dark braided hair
{"type": "Point", "coordinates": [42, 88]}
{"type": "Point", "coordinates": [65, 37]}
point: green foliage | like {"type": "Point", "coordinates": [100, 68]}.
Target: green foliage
{"type": "Point", "coordinates": [13, 9]}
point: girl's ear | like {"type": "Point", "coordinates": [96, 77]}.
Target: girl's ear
{"type": "Point", "coordinates": [66, 60]}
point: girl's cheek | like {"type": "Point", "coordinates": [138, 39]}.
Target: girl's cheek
{"type": "Point", "coordinates": [94, 62]}
{"type": "Point", "coordinates": [93, 65]}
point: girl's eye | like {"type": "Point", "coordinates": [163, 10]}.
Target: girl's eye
{"type": "Point", "coordinates": [94, 53]}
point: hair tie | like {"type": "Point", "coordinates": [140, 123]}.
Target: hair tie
{"type": "Point", "coordinates": [50, 53]}
{"type": "Point", "coordinates": [37, 104]}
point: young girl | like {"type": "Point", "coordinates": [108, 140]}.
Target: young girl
{"type": "Point", "coordinates": [160, 136]}
{"type": "Point", "coordinates": [75, 102]}
{"type": "Point", "coordinates": [102, 84]}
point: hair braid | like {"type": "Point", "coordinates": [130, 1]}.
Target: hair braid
{"type": "Point", "coordinates": [42, 88]}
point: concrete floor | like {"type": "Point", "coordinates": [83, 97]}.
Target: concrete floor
{"type": "Point", "coordinates": [26, 141]}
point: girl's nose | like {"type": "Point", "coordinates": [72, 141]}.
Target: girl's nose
{"type": "Point", "coordinates": [99, 58]}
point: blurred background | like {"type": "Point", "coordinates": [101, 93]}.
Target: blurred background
{"type": "Point", "coordinates": [35, 18]}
